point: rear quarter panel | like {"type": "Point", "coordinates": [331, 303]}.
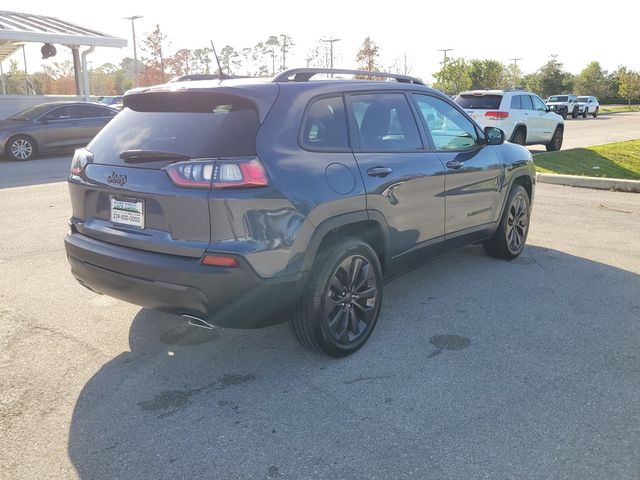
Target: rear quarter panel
{"type": "Point", "coordinates": [274, 225]}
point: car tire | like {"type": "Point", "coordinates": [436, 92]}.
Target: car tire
{"type": "Point", "coordinates": [341, 301]}
{"type": "Point", "coordinates": [556, 141]}
{"type": "Point", "coordinates": [563, 114]}
{"type": "Point", "coordinates": [519, 136]}
{"type": "Point", "coordinates": [595, 114]}
{"type": "Point", "coordinates": [21, 148]}
{"type": "Point", "coordinates": [574, 114]}
{"type": "Point", "coordinates": [585, 113]}
{"type": "Point", "coordinates": [511, 235]}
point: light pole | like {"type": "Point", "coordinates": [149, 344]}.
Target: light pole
{"type": "Point", "coordinates": [331, 41]}
{"type": "Point", "coordinates": [515, 69]}
{"type": "Point", "coordinates": [135, 52]}
{"type": "Point", "coordinates": [444, 64]}
{"type": "Point", "coordinates": [445, 50]}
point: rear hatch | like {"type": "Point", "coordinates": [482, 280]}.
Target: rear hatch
{"type": "Point", "coordinates": [145, 183]}
{"type": "Point", "coordinates": [483, 107]}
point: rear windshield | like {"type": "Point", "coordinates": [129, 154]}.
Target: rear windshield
{"type": "Point", "coordinates": [198, 126]}
{"type": "Point", "coordinates": [558, 98]}
{"type": "Point", "coordinates": [33, 112]}
{"type": "Point", "coordinates": [482, 102]}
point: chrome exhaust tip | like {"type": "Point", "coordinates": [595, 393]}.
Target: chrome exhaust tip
{"type": "Point", "coordinates": [198, 322]}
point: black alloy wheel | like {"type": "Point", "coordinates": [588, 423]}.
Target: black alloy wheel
{"type": "Point", "coordinates": [511, 234]}
{"type": "Point", "coordinates": [351, 299]}
{"type": "Point", "coordinates": [341, 302]}
{"type": "Point", "coordinates": [517, 223]}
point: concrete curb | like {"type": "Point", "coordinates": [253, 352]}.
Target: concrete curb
{"type": "Point", "coordinates": [590, 182]}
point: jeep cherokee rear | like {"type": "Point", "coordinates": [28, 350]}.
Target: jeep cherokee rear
{"type": "Point", "coordinates": [248, 203]}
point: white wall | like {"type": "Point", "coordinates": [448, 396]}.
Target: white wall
{"type": "Point", "coordinates": [10, 104]}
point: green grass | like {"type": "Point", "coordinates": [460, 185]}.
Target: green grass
{"type": "Point", "coordinates": [619, 108]}
{"type": "Point", "coordinates": [613, 160]}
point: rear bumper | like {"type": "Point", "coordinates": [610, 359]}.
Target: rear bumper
{"type": "Point", "coordinates": [227, 297]}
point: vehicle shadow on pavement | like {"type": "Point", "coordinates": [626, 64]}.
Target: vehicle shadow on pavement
{"type": "Point", "coordinates": [506, 372]}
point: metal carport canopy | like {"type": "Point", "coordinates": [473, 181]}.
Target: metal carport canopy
{"type": "Point", "coordinates": [18, 28]}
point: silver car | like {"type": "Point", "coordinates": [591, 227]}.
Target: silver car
{"type": "Point", "coordinates": [52, 127]}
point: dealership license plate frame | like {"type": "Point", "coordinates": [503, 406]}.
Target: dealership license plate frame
{"type": "Point", "coordinates": [128, 212]}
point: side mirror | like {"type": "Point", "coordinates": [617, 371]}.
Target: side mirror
{"type": "Point", "coordinates": [547, 109]}
{"type": "Point", "coordinates": [493, 136]}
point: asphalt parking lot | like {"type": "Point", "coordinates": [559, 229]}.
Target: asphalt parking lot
{"type": "Point", "coordinates": [478, 368]}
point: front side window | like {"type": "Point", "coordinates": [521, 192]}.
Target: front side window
{"type": "Point", "coordinates": [527, 104]}
{"type": "Point", "coordinates": [538, 104]}
{"type": "Point", "coordinates": [325, 125]}
{"type": "Point", "coordinates": [449, 128]}
{"type": "Point", "coordinates": [60, 113]}
{"type": "Point", "coordinates": [385, 122]}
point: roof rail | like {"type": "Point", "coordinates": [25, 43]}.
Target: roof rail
{"type": "Point", "coordinates": [305, 74]}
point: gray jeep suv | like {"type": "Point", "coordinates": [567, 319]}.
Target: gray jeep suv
{"type": "Point", "coordinates": [245, 203]}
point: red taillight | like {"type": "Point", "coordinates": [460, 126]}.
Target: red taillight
{"type": "Point", "coordinates": [226, 173]}
{"type": "Point", "coordinates": [220, 261]}
{"type": "Point", "coordinates": [81, 158]}
{"type": "Point", "coordinates": [496, 115]}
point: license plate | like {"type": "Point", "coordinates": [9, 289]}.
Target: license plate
{"type": "Point", "coordinates": [127, 212]}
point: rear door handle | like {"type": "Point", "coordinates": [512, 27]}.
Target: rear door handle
{"type": "Point", "coordinates": [454, 164]}
{"type": "Point", "coordinates": [379, 171]}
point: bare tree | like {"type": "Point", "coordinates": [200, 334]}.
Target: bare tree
{"type": "Point", "coordinates": [318, 55]}
{"type": "Point", "coordinates": [367, 56]}
{"type": "Point", "coordinates": [285, 45]}
{"type": "Point", "coordinates": [153, 45]}
{"type": "Point", "coordinates": [272, 44]}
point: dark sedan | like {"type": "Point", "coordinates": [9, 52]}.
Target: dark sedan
{"type": "Point", "coordinates": [51, 128]}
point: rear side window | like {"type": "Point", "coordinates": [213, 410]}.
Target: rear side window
{"type": "Point", "coordinates": [91, 111]}
{"type": "Point", "coordinates": [480, 102]}
{"type": "Point", "coordinates": [200, 125]}
{"type": "Point", "coordinates": [516, 102]}
{"type": "Point", "coordinates": [385, 123]}
{"type": "Point", "coordinates": [325, 125]}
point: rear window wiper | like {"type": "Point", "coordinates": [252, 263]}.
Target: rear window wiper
{"type": "Point", "coordinates": [140, 156]}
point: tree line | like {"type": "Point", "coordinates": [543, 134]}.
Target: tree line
{"type": "Point", "coordinates": [269, 56]}
{"type": "Point", "coordinates": [458, 74]}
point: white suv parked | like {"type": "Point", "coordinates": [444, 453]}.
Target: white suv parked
{"type": "Point", "coordinates": [522, 116]}
{"type": "Point", "coordinates": [588, 106]}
